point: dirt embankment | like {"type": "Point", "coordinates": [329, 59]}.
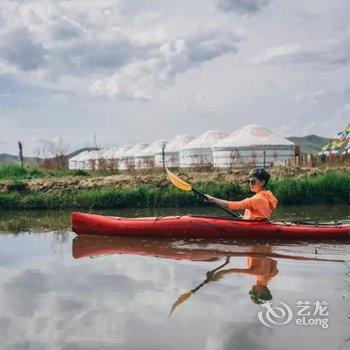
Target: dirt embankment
{"type": "Point", "coordinates": [157, 180]}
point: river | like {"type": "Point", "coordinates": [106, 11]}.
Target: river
{"type": "Point", "coordinates": [58, 291]}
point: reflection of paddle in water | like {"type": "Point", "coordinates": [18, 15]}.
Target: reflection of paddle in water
{"type": "Point", "coordinates": [263, 268]}
{"type": "Point", "coordinates": [185, 296]}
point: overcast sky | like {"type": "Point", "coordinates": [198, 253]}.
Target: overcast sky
{"type": "Point", "coordinates": [135, 70]}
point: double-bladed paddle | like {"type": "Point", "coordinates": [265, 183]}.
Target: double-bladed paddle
{"type": "Point", "coordinates": [185, 186]}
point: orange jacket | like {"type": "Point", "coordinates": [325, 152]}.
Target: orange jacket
{"type": "Point", "coordinates": [258, 207]}
{"type": "Point", "coordinates": [264, 269]}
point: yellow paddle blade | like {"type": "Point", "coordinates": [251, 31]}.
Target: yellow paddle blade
{"type": "Point", "coordinates": [181, 299]}
{"type": "Point", "coordinates": [177, 182]}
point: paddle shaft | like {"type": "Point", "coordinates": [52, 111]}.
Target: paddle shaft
{"type": "Point", "coordinates": [207, 280]}
{"type": "Point", "coordinates": [224, 209]}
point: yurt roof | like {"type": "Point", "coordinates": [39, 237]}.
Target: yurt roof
{"type": "Point", "coordinates": [109, 153]}
{"type": "Point", "coordinates": [206, 140]}
{"type": "Point", "coordinates": [253, 135]}
{"type": "Point", "coordinates": [95, 154]}
{"type": "Point", "coordinates": [82, 156]}
{"type": "Point", "coordinates": [120, 152]}
{"type": "Point", "coordinates": [178, 143]}
{"type": "Point", "coordinates": [135, 150]}
{"type": "Point", "coordinates": [76, 157]}
{"type": "Point", "coordinates": [153, 148]}
{"type": "Point", "coordinates": [106, 153]}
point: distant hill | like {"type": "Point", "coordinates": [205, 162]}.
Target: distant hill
{"type": "Point", "coordinates": [9, 158]}
{"type": "Point", "coordinates": [311, 144]}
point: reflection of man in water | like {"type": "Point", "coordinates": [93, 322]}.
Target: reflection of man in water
{"type": "Point", "coordinates": [264, 269]}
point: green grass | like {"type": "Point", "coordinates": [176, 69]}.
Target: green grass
{"type": "Point", "coordinates": [327, 188]}
{"type": "Point", "coordinates": [15, 172]}
{"type": "Point", "coordinates": [141, 197]}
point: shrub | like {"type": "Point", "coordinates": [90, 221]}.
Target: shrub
{"type": "Point", "coordinates": [19, 187]}
{"type": "Point", "coordinates": [80, 172]}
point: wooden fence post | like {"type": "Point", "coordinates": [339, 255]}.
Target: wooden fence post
{"type": "Point", "coordinates": [163, 156]}
{"type": "Point", "coordinates": [20, 147]}
{"type": "Point", "coordinates": [264, 159]}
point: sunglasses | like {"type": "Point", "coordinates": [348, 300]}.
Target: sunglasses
{"type": "Point", "coordinates": [252, 182]}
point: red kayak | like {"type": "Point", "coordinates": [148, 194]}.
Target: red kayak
{"type": "Point", "coordinates": [188, 226]}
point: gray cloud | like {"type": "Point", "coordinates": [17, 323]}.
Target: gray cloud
{"type": "Point", "coordinates": [19, 48]}
{"type": "Point", "coordinates": [139, 79]}
{"type": "Point", "coordinates": [318, 54]}
{"type": "Point", "coordinates": [170, 58]}
{"type": "Point", "coordinates": [84, 57]}
{"type": "Point", "coordinates": [210, 44]}
{"type": "Point", "coordinates": [242, 6]}
{"type": "Point", "coordinates": [88, 346]}
{"type": "Point", "coordinates": [96, 56]}
{"type": "Point", "coordinates": [29, 285]}
{"type": "Point", "coordinates": [26, 345]}
{"type": "Point", "coordinates": [69, 39]}
{"type": "Point", "coordinates": [65, 30]}
{"type": "Point", "coordinates": [5, 325]}
{"type": "Point", "coordinates": [89, 41]}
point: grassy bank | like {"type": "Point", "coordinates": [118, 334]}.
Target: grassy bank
{"type": "Point", "coordinates": [15, 172]}
{"type": "Point", "coordinates": [324, 188]}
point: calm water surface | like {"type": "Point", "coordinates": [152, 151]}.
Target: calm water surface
{"type": "Point", "coordinates": [62, 292]}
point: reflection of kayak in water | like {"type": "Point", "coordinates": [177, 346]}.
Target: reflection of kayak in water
{"type": "Point", "coordinates": [188, 226]}
{"type": "Point", "coordinates": [93, 246]}
{"type": "Point", "coordinates": [260, 259]}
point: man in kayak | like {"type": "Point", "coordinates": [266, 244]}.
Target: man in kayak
{"type": "Point", "coordinates": [258, 207]}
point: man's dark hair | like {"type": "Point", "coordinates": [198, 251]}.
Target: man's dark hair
{"type": "Point", "coordinates": [259, 294]}
{"type": "Point", "coordinates": [261, 174]}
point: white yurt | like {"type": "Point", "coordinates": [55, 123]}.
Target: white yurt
{"type": "Point", "coordinates": [247, 146]}
{"type": "Point", "coordinates": [117, 157]}
{"type": "Point", "coordinates": [198, 152]}
{"type": "Point", "coordinates": [107, 160]}
{"type": "Point", "coordinates": [80, 159]}
{"type": "Point", "coordinates": [109, 153]}
{"type": "Point", "coordinates": [73, 162]}
{"type": "Point", "coordinates": [95, 159]}
{"type": "Point", "coordinates": [172, 152]}
{"type": "Point", "coordinates": [91, 159]}
{"type": "Point", "coordinates": [146, 158]}
{"type": "Point", "coordinates": [128, 161]}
